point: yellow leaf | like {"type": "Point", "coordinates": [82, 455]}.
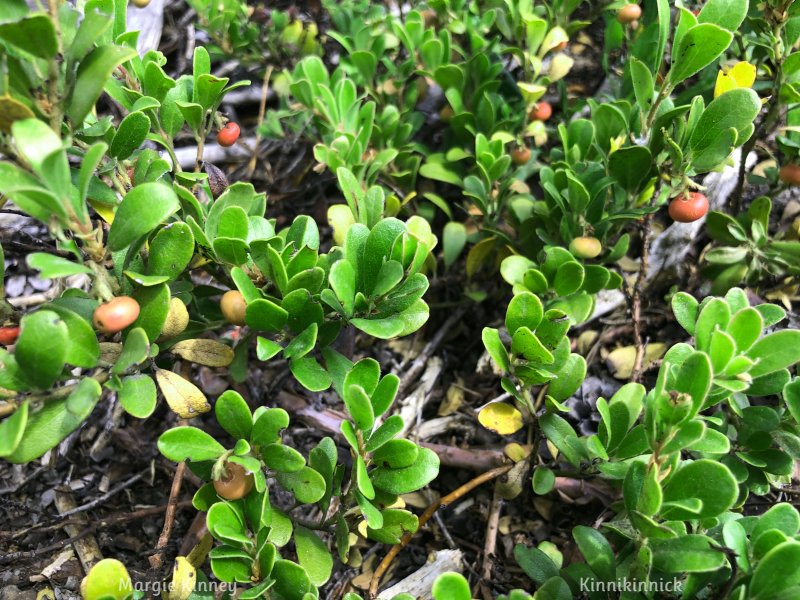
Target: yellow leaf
{"type": "Point", "coordinates": [12, 110]}
{"type": "Point", "coordinates": [621, 360]}
{"type": "Point", "coordinates": [530, 91]}
{"type": "Point", "coordinates": [183, 397]}
{"type": "Point", "coordinates": [740, 75]}
{"type": "Point", "coordinates": [177, 319]}
{"type": "Point", "coordinates": [210, 353]}
{"type": "Point", "coordinates": [501, 418]}
{"type": "Point", "coordinates": [106, 212]}
{"type": "Point", "coordinates": [340, 217]}
{"type": "Point", "coordinates": [183, 579]}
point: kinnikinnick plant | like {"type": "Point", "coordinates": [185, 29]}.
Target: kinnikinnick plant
{"type": "Point", "coordinates": [450, 120]}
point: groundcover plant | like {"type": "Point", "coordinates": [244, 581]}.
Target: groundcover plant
{"type": "Point", "coordinates": [347, 300]}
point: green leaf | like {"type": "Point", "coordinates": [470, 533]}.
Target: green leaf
{"type": "Point", "coordinates": [735, 109]}
{"type": "Point", "coordinates": [544, 480]}
{"type": "Point", "coordinates": [189, 443]}
{"type": "Point", "coordinates": [142, 209]}
{"type": "Point", "coordinates": [728, 14]}
{"type": "Point", "coordinates": [536, 564]}
{"type": "Point", "coordinates": [396, 454]}
{"type": "Point", "coordinates": [695, 378]}
{"type": "Point", "coordinates": [396, 523]}
{"type": "Point", "coordinates": [384, 394]}
{"type": "Point", "coordinates": [226, 524]}
{"type": "Point", "coordinates": [408, 479]}
{"type": "Point", "coordinates": [525, 343]}
{"type": "Point", "coordinates": [390, 274]}
{"type": "Point", "coordinates": [451, 586]}
{"type": "Point", "coordinates": [266, 349]}
{"type": "Point", "coordinates": [494, 346]}
{"type": "Point", "coordinates": [715, 314]}
{"type": "Point", "coordinates": [782, 517]}
{"type": "Point", "coordinates": [377, 248]}
{"type": "Point", "coordinates": [131, 133]}
{"type": "Point", "coordinates": [12, 428]}
{"type": "Point", "coordinates": [686, 554]}
{"type": "Point", "coordinates": [776, 571]}
{"type": "Point", "coordinates": [384, 329]}
{"type": "Point", "coordinates": [291, 581]}
{"type": "Point", "coordinates": [283, 459]}
{"type": "Point", "coordinates": [775, 351]}
{"type": "Point", "coordinates": [745, 328]}
{"type": "Point", "coordinates": [454, 240]}
{"type": "Point", "coordinates": [108, 579]}
{"type": "Point", "coordinates": [171, 250]}
{"type": "Point", "coordinates": [138, 395]}
{"type": "Point", "coordinates": [303, 343]}
{"type": "Point", "coordinates": [51, 266]}
{"type": "Point", "coordinates": [307, 485]}
{"type": "Point", "coordinates": [524, 310]}
{"type": "Point", "coordinates": [388, 429]}
{"type": "Point", "coordinates": [630, 166]}
{"type": "Point", "coordinates": [342, 279]}
{"type": "Point", "coordinates": [568, 379]}
{"type": "Point", "coordinates": [268, 425]}
{"type": "Point", "coordinates": [596, 551]}
{"type": "Point", "coordinates": [313, 555]}
{"type": "Point", "coordinates": [264, 315]}
{"type": "Point", "coordinates": [705, 480]}
{"type": "Point", "coordinates": [568, 278]}
{"type": "Point", "coordinates": [698, 48]}
{"type": "Point", "coordinates": [82, 349]}
{"type": "Point", "coordinates": [92, 76]}
{"type": "Point", "coordinates": [359, 407]}
{"type": "Point", "coordinates": [234, 415]}
{"type": "Point", "coordinates": [134, 351]}
{"type": "Point", "coordinates": [41, 348]}
{"type": "Point", "coordinates": [153, 309]}
{"type": "Point", "coordinates": [310, 374]}
{"type": "Point", "coordinates": [47, 427]}
{"type": "Point", "coordinates": [643, 86]}
{"type": "Point", "coordinates": [34, 34]}
{"type": "Point", "coordinates": [791, 395]}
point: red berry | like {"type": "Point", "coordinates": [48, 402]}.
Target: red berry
{"type": "Point", "coordinates": [629, 13]}
{"type": "Point", "coordinates": [688, 208]}
{"type": "Point", "coordinates": [228, 135]}
{"type": "Point", "coordinates": [790, 174]}
{"type": "Point", "coordinates": [520, 155]}
{"type": "Point", "coordinates": [116, 315]}
{"type": "Point", "coordinates": [236, 483]}
{"type": "Point", "coordinates": [541, 111]}
{"type": "Point", "coordinates": [8, 335]}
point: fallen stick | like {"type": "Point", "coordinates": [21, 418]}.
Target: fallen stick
{"type": "Point", "coordinates": [330, 421]}
{"type": "Point", "coordinates": [429, 512]}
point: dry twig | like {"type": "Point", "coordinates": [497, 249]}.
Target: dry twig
{"type": "Point", "coordinates": [425, 517]}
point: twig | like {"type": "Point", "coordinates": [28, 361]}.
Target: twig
{"type": "Point", "coordinates": [115, 490]}
{"type": "Point", "coordinates": [169, 518]}
{"type": "Point", "coordinates": [429, 512]}
{"type": "Point", "coordinates": [636, 298]}
{"type": "Point", "coordinates": [490, 543]}
{"type": "Point", "coordinates": [413, 372]}
{"type": "Point", "coordinates": [111, 520]}
{"type": "Point", "coordinates": [330, 421]}
{"type": "Point", "coordinates": [262, 109]}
